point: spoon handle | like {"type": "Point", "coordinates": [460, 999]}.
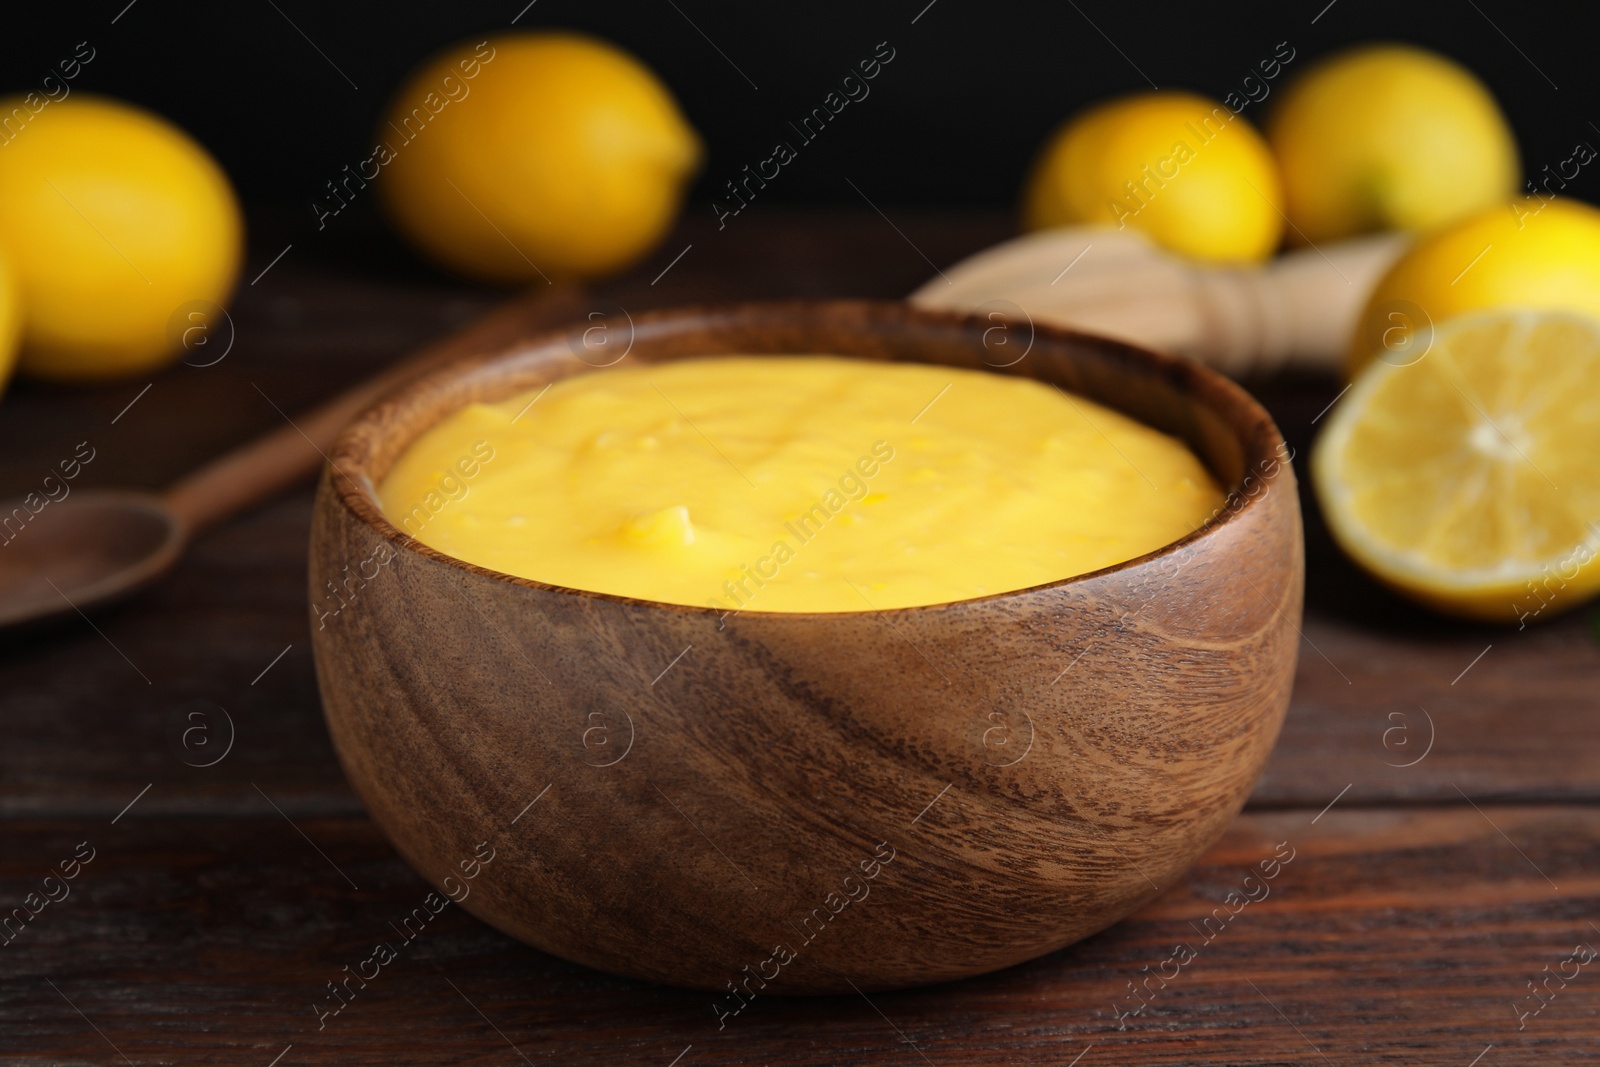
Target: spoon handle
{"type": "Point", "coordinates": [277, 460]}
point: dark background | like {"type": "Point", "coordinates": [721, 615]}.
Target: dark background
{"type": "Point", "coordinates": [953, 120]}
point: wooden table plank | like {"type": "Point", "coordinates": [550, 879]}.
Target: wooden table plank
{"type": "Point", "coordinates": [1388, 937]}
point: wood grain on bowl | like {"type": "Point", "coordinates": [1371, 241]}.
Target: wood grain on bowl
{"type": "Point", "coordinates": [791, 803]}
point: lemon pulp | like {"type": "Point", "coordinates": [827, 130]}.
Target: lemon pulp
{"type": "Point", "coordinates": [1466, 479]}
{"type": "Point", "coordinates": [796, 483]}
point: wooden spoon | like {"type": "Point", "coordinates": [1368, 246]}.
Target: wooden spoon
{"type": "Point", "coordinates": [94, 546]}
{"type": "Point", "coordinates": [1296, 311]}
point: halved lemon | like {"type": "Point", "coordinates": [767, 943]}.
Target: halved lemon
{"type": "Point", "coordinates": [1465, 472]}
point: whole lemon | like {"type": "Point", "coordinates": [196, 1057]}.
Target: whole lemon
{"type": "Point", "coordinates": [1529, 254]}
{"type": "Point", "coordinates": [1188, 171]}
{"type": "Point", "coordinates": [535, 155]}
{"type": "Point", "coordinates": [1389, 137]}
{"type": "Point", "coordinates": [112, 220]}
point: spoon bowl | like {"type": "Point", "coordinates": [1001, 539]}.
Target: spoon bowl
{"type": "Point", "coordinates": [88, 549]}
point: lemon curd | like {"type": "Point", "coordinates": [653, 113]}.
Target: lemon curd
{"type": "Point", "coordinates": [796, 483]}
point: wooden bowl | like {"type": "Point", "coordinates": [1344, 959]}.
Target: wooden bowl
{"type": "Point", "coordinates": [771, 803]}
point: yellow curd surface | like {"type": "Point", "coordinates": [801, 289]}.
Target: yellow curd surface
{"type": "Point", "coordinates": [796, 483]}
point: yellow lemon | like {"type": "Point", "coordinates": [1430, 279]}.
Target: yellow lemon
{"type": "Point", "coordinates": [535, 155]}
{"type": "Point", "coordinates": [1467, 480]}
{"type": "Point", "coordinates": [10, 324]}
{"type": "Point", "coordinates": [1389, 137]}
{"type": "Point", "coordinates": [112, 220]}
{"type": "Point", "coordinates": [1186, 170]}
{"type": "Point", "coordinates": [1528, 254]}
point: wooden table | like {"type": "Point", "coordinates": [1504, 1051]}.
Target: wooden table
{"type": "Point", "coordinates": [1437, 782]}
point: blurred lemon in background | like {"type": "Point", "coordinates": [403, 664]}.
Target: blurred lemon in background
{"type": "Point", "coordinates": [1467, 480]}
{"type": "Point", "coordinates": [111, 218]}
{"type": "Point", "coordinates": [1389, 137]}
{"type": "Point", "coordinates": [1527, 254]}
{"type": "Point", "coordinates": [10, 323]}
{"type": "Point", "coordinates": [559, 155]}
{"type": "Point", "coordinates": [1186, 170]}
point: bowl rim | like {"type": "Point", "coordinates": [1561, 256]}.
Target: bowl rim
{"type": "Point", "coordinates": [1251, 426]}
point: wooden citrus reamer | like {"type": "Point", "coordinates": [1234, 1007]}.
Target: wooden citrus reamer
{"type": "Point", "coordinates": [1296, 311]}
